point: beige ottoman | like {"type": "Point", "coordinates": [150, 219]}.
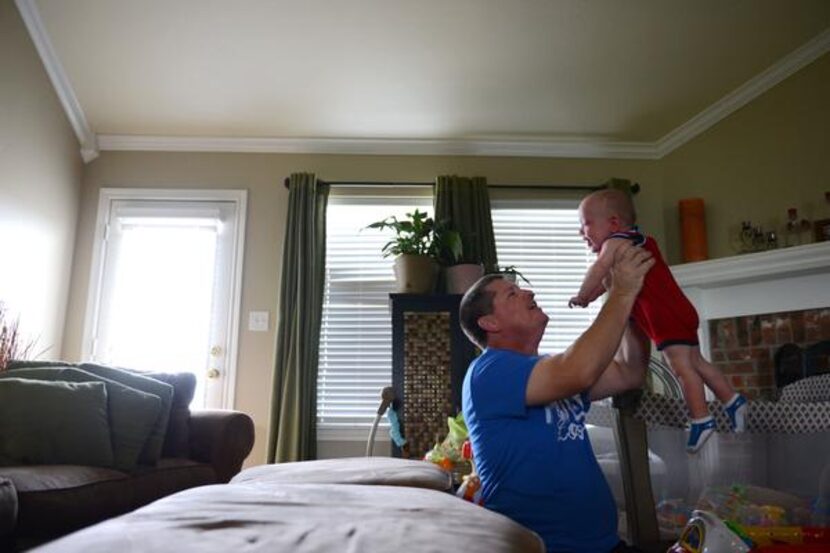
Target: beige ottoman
{"type": "Point", "coordinates": [304, 518]}
{"type": "Point", "coordinates": [386, 471]}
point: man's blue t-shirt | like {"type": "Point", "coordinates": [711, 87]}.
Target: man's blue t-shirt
{"type": "Point", "coordinates": [536, 463]}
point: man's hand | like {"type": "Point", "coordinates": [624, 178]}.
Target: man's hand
{"type": "Point", "coordinates": [631, 263]}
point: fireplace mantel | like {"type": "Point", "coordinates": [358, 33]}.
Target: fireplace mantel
{"type": "Point", "coordinates": [787, 279]}
{"type": "Point", "coordinates": [754, 267]}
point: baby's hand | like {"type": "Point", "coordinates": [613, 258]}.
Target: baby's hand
{"type": "Point", "coordinates": [577, 300]}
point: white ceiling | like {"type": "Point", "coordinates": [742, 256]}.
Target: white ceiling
{"type": "Point", "coordinates": [507, 71]}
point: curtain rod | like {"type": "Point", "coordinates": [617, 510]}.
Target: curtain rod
{"type": "Point", "coordinates": [414, 184]}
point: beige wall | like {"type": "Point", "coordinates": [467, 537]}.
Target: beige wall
{"type": "Point", "coordinates": [40, 176]}
{"type": "Point", "coordinates": [262, 175]}
{"type": "Point", "coordinates": [770, 155]}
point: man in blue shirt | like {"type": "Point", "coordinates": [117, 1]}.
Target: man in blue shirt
{"type": "Point", "coordinates": [526, 412]}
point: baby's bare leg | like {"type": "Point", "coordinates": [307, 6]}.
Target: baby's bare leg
{"type": "Point", "coordinates": [679, 358]}
{"type": "Point", "coordinates": [712, 376]}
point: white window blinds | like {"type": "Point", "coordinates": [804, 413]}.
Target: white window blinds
{"type": "Point", "coordinates": [542, 240]}
{"type": "Point", "coordinates": [356, 330]}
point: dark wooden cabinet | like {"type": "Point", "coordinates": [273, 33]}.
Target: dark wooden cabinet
{"type": "Point", "coordinates": [430, 356]}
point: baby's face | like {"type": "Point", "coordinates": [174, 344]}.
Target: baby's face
{"type": "Point", "coordinates": [594, 225]}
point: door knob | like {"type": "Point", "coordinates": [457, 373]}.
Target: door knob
{"type": "Point", "coordinates": [215, 351]}
{"type": "Point", "coordinates": [213, 373]}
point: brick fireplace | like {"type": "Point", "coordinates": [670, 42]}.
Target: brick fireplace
{"type": "Point", "coordinates": [744, 348]}
{"type": "Point", "coordinates": [751, 305]}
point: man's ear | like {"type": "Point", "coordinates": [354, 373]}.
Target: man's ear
{"type": "Point", "coordinates": [488, 323]}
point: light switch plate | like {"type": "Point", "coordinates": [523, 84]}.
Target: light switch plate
{"type": "Point", "coordinates": [258, 321]}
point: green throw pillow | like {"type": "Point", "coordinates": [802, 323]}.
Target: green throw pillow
{"type": "Point", "coordinates": [61, 423]}
{"type": "Point", "coordinates": [152, 448]}
{"type": "Point", "coordinates": [177, 440]}
{"type": "Point", "coordinates": [132, 413]}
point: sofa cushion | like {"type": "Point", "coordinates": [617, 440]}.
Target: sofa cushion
{"type": "Point", "coordinates": [387, 471]}
{"type": "Point", "coordinates": [8, 507]}
{"type": "Point", "coordinates": [29, 363]}
{"type": "Point", "coordinates": [57, 499]}
{"type": "Point", "coordinates": [177, 438]}
{"type": "Point", "coordinates": [54, 422]}
{"type": "Point", "coordinates": [132, 413]}
{"type": "Point", "coordinates": [48, 478]}
{"type": "Point", "coordinates": [177, 435]}
{"type": "Point", "coordinates": [151, 452]}
{"type": "Point", "coordinates": [169, 476]}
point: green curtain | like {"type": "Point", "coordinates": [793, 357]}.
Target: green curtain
{"type": "Point", "coordinates": [465, 202]}
{"type": "Point", "coordinates": [293, 435]}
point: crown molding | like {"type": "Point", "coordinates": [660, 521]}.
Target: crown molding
{"type": "Point", "coordinates": [66, 94]}
{"type": "Point", "coordinates": [355, 146]}
{"type": "Point", "coordinates": [738, 98]}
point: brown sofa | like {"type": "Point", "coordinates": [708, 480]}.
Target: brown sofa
{"type": "Point", "coordinates": [42, 502]}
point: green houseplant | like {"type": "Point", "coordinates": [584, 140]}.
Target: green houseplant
{"type": "Point", "coordinates": [12, 345]}
{"type": "Point", "coordinates": [418, 243]}
{"type": "Point", "coordinates": [512, 273]}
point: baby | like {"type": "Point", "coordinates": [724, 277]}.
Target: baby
{"type": "Point", "coordinates": [664, 313]}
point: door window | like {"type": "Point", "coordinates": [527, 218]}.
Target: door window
{"type": "Point", "coordinates": [164, 300]}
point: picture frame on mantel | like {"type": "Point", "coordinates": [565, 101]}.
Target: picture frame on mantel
{"type": "Point", "coordinates": [822, 230]}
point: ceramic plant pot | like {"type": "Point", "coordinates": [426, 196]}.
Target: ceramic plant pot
{"type": "Point", "coordinates": [415, 274]}
{"type": "Point", "coordinates": [461, 277]}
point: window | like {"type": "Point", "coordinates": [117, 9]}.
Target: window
{"type": "Point", "coordinates": [356, 330]}
{"type": "Point", "coordinates": [542, 240]}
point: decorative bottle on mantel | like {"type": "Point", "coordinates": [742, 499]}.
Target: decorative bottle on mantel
{"type": "Point", "coordinates": [790, 232]}
{"type": "Point", "coordinates": [796, 231]}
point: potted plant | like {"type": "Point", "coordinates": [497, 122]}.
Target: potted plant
{"type": "Point", "coordinates": [12, 345]}
{"type": "Point", "coordinates": [512, 274]}
{"type": "Point", "coordinates": [416, 248]}
{"type": "Point", "coordinates": [460, 270]}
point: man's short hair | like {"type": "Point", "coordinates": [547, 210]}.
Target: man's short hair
{"type": "Point", "coordinates": [476, 303]}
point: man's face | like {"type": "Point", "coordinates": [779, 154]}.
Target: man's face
{"type": "Point", "coordinates": [514, 309]}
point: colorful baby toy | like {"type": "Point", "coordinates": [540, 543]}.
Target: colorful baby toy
{"type": "Point", "coordinates": [707, 533]}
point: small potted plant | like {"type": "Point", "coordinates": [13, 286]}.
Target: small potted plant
{"type": "Point", "coordinates": [416, 250]}
{"type": "Point", "coordinates": [512, 274]}
{"type": "Point", "coordinates": [461, 270]}
{"type": "Point", "coordinates": [12, 346]}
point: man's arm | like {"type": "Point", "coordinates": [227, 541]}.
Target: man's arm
{"type": "Point", "coordinates": [580, 366]}
{"type": "Point", "coordinates": [628, 369]}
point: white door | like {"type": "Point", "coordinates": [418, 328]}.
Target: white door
{"type": "Point", "coordinates": [167, 293]}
